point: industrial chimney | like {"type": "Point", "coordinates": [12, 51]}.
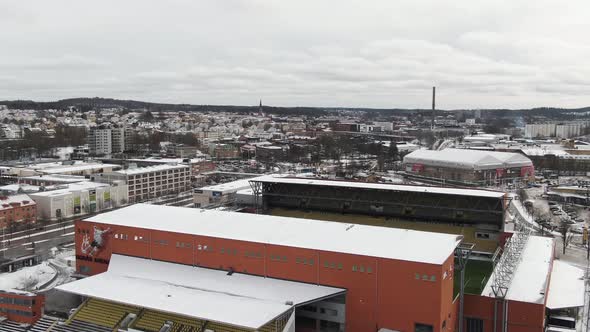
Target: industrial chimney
{"type": "Point", "coordinates": [433, 106]}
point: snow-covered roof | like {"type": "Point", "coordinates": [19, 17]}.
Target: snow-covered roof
{"type": "Point", "coordinates": [76, 168]}
{"type": "Point", "coordinates": [385, 242]}
{"type": "Point", "coordinates": [213, 295]}
{"type": "Point", "coordinates": [566, 288]}
{"type": "Point", "coordinates": [531, 275]}
{"type": "Point", "coordinates": [149, 169]}
{"type": "Point", "coordinates": [467, 159]}
{"type": "Point", "coordinates": [62, 178]}
{"type": "Point", "coordinates": [72, 187]}
{"type": "Point", "coordinates": [381, 186]}
{"type": "Point", "coordinates": [5, 201]}
{"type": "Point", "coordinates": [232, 186]}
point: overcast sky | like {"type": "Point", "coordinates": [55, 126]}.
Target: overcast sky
{"type": "Point", "coordinates": [480, 54]}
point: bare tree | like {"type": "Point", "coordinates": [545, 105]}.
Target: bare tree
{"type": "Point", "coordinates": [566, 235]}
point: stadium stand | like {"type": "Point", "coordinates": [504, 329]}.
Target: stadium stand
{"type": "Point", "coordinates": [102, 313]}
{"type": "Point", "coordinates": [44, 324]}
{"type": "Point", "coordinates": [8, 326]}
{"type": "Point", "coordinates": [152, 321]}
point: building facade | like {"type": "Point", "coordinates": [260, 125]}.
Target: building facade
{"type": "Point", "coordinates": [21, 307]}
{"type": "Point", "coordinates": [17, 210]}
{"type": "Point", "coordinates": [396, 289]}
{"type": "Point", "coordinates": [150, 182]}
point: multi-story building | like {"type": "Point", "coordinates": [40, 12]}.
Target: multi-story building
{"type": "Point", "coordinates": [152, 181]}
{"type": "Point", "coordinates": [16, 210]}
{"type": "Point", "coordinates": [117, 140]}
{"type": "Point", "coordinates": [100, 141]}
{"type": "Point", "coordinates": [104, 141]}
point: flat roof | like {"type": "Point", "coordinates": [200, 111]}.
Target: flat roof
{"type": "Point", "coordinates": [228, 186]}
{"type": "Point", "coordinates": [64, 178]}
{"type": "Point", "coordinates": [72, 187]}
{"type": "Point", "coordinates": [566, 288]}
{"type": "Point", "coordinates": [149, 169]}
{"type": "Point", "coordinates": [238, 299]}
{"type": "Point", "coordinates": [529, 282]}
{"type": "Point", "coordinates": [384, 242]}
{"type": "Point", "coordinates": [381, 186]}
{"type": "Point", "coordinates": [76, 168]}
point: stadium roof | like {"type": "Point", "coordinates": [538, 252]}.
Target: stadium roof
{"type": "Point", "coordinates": [384, 242]}
{"type": "Point", "coordinates": [237, 299]}
{"type": "Point", "coordinates": [467, 159]}
{"type": "Point", "coordinates": [565, 287]}
{"type": "Point", "coordinates": [531, 276]}
{"type": "Point", "coordinates": [381, 186]}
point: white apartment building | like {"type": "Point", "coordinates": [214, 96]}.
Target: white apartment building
{"type": "Point", "coordinates": [560, 130]}
{"type": "Point", "coordinates": [534, 130]}
{"type": "Point", "coordinates": [569, 130]}
{"type": "Point", "coordinates": [152, 181]}
{"type": "Point", "coordinates": [104, 141]}
{"type": "Point", "coordinates": [100, 141]}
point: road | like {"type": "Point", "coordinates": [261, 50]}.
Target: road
{"type": "Point", "coordinates": [36, 241]}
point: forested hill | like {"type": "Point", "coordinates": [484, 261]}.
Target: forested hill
{"type": "Point", "coordinates": [85, 104]}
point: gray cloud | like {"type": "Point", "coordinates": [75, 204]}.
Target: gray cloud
{"type": "Point", "coordinates": [380, 53]}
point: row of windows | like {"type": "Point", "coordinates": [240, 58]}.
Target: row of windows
{"type": "Point", "coordinates": [17, 301]}
{"type": "Point", "coordinates": [228, 251]}
{"type": "Point", "coordinates": [278, 258]}
{"type": "Point", "coordinates": [252, 254]}
{"type": "Point", "coordinates": [304, 261]}
{"type": "Point", "coordinates": [17, 312]}
{"type": "Point", "coordinates": [424, 277]}
{"type": "Point", "coordinates": [362, 269]}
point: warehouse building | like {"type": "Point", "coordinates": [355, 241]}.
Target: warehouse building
{"type": "Point", "coordinates": [79, 199]}
{"type": "Point", "coordinates": [469, 167]}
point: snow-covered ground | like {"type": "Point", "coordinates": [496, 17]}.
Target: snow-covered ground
{"type": "Point", "coordinates": [46, 275]}
{"type": "Point", "coordinates": [28, 278]}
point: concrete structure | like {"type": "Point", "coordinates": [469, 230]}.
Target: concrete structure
{"type": "Point", "coordinates": [150, 182]}
{"type": "Point", "coordinates": [79, 199]}
{"type": "Point", "coordinates": [469, 167]}
{"type": "Point", "coordinates": [16, 210]}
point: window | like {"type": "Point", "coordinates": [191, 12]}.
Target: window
{"type": "Point", "coordinates": [369, 269]}
{"type": "Point", "coordinates": [422, 328]}
{"type": "Point", "coordinates": [473, 325]}
{"type": "Point", "coordinates": [354, 268]}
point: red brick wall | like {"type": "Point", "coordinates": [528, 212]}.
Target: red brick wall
{"type": "Point", "coordinates": [380, 292]}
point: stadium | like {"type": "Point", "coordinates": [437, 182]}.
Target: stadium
{"type": "Point", "coordinates": [466, 167]}
{"type": "Point", "coordinates": [159, 268]}
{"type": "Point", "coordinates": [477, 215]}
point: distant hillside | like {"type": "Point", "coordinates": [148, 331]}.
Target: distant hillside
{"type": "Point", "coordinates": [85, 104]}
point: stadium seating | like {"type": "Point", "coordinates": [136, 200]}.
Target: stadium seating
{"type": "Point", "coordinates": [152, 321]}
{"type": "Point", "coordinates": [102, 313]}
